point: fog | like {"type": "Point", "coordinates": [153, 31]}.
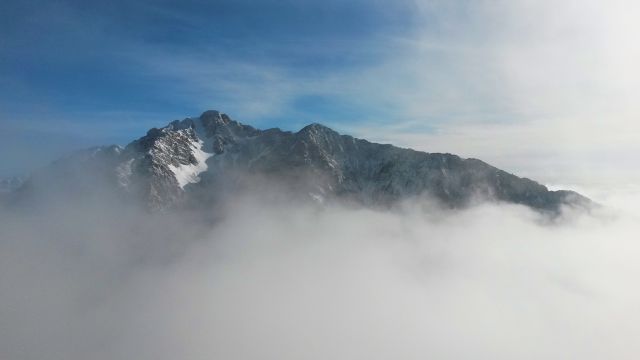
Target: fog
{"type": "Point", "coordinates": [275, 278]}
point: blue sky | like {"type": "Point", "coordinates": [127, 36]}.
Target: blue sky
{"type": "Point", "coordinates": [73, 73]}
{"type": "Point", "coordinates": [509, 81]}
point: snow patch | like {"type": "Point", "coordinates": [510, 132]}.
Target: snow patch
{"type": "Point", "coordinates": [123, 172]}
{"type": "Point", "coordinates": [189, 173]}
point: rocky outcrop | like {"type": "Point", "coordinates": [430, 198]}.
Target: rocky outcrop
{"type": "Point", "coordinates": [177, 164]}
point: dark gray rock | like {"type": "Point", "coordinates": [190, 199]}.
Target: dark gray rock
{"type": "Point", "coordinates": [187, 161]}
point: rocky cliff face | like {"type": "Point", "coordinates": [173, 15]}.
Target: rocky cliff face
{"type": "Point", "coordinates": [180, 164]}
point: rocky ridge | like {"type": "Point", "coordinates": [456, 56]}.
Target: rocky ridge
{"type": "Point", "coordinates": [175, 165]}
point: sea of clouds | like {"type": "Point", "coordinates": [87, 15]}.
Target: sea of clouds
{"type": "Point", "coordinates": [279, 279]}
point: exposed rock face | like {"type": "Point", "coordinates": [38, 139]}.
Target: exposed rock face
{"type": "Point", "coordinates": [179, 163]}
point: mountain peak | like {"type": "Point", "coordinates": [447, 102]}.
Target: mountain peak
{"type": "Point", "coordinates": [316, 128]}
{"type": "Point", "coordinates": [215, 123]}
{"type": "Point", "coordinates": [215, 115]}
{"type": "Point", "coordinates": [315, 160]}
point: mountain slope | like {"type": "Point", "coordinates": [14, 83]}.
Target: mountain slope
{"type": "Point", "coordinates": [187, 161]}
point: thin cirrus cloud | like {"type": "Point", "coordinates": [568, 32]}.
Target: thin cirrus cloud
{"type": "Point", "coordinates": [543, 88]}
{"type": "Point", "coordinates": [84, 61]}
{"type": "Point", "coordinates": [511, 82]}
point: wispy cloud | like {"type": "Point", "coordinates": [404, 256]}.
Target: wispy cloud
{"type": "Point", "coordinates": [517, 81]}
{"type": "Point", "coordinates": [500, 80]}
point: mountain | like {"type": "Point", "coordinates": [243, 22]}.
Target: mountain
{"type": "Point", "coordinates": [194, 161]}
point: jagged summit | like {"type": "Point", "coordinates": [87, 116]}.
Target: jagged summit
{"type": "Point", "coordinates": [317, 128]}
{"type": "Point", "coordinates": [188, 159]}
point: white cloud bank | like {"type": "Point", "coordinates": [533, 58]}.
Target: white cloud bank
{"type": "Point", "coordinates": [280, 281]}
{"type": "Point", "coordinates": [544, 88]}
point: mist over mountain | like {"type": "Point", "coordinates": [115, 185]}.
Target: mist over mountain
{"type": "Point", "coordinates": [278, 277]}
{"type": "Point", "coordinates": [212, 239]}
{"type": "Point", "coordinates": [395, 179]}
{"type": "Point", "coordinates": [195, 162]}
